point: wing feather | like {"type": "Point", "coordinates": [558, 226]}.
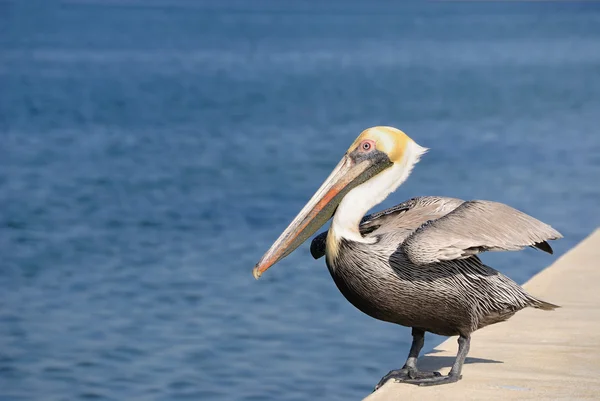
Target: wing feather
{"type": "Point", "coordinates": [474, 227]}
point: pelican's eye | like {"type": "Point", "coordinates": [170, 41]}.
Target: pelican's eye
{"type": "Point", "coordinates": [366, 145]}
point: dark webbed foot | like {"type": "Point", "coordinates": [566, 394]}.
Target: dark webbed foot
{"type": "Point", "coordinates": [406, 375]}
{"type": "Point", "coordinates": [434, 381]}
{"type": "Point", "coordinates": [410, 375]}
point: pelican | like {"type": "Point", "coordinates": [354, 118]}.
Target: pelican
{"type": "Point", "coordinates": [414, 264]}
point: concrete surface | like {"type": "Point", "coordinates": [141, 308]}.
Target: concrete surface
{"type": "Point", "coordinates": [536, 355]}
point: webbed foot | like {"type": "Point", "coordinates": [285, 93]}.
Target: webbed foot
{"type": "Point", "coordinates": [433, 381]}
{"type": "Point", "coordinates": [407, 375]}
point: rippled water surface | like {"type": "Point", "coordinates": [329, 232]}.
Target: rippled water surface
{"type": "Point", "coordinates": [150, 152]}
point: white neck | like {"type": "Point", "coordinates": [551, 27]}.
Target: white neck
{"type": "Point", "coordinates": [361, 199]}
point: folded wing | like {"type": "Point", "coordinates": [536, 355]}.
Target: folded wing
{"type": "Point", "coordinates": [474, 227]}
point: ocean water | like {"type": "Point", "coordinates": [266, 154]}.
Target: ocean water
{"type": "Point", "coordinates": [150, 152]}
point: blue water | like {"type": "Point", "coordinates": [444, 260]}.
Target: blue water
{"type": "Point", "coordinates": [150, 154]}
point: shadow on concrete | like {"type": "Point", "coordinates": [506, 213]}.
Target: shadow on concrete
{"type": "Point", "coordinates": [432, 362]}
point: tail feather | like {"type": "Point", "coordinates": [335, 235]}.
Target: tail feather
{"type": "Point", "coordinates": [539, 304]}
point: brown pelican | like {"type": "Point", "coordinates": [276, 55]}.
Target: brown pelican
{"type": "Point", "coordinates": [414, 264]}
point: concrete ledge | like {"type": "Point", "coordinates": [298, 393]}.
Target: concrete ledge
{"type": "Point", "coordinates": [536, 354]}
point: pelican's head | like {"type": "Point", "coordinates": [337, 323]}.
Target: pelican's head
{"type": "Point", "coordinates": [376, 150]}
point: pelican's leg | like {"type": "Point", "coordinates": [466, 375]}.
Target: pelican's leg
{"type": "Point", "coordinates": [454, 375]}
{"type": "Point", "coordinates": [409, 371]}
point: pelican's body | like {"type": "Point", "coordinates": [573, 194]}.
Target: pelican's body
{"type": "Point", "coordinates": [415, 264]}
{"type": "Point", "coordinates": [448, 298]}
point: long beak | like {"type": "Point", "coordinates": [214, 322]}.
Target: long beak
{"type": "Point", "coordinates": [315, 213]}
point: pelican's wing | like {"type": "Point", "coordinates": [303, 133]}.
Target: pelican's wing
{"type": "Point", "coordinates": [474, 227]}
{"type": "Point", "coordinates": [405, 217]}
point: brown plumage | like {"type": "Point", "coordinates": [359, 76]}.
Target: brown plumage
{"type": "Point", "coordinates": [415, 264]}
{"type": "Point", "coordinates": [452, 292]}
